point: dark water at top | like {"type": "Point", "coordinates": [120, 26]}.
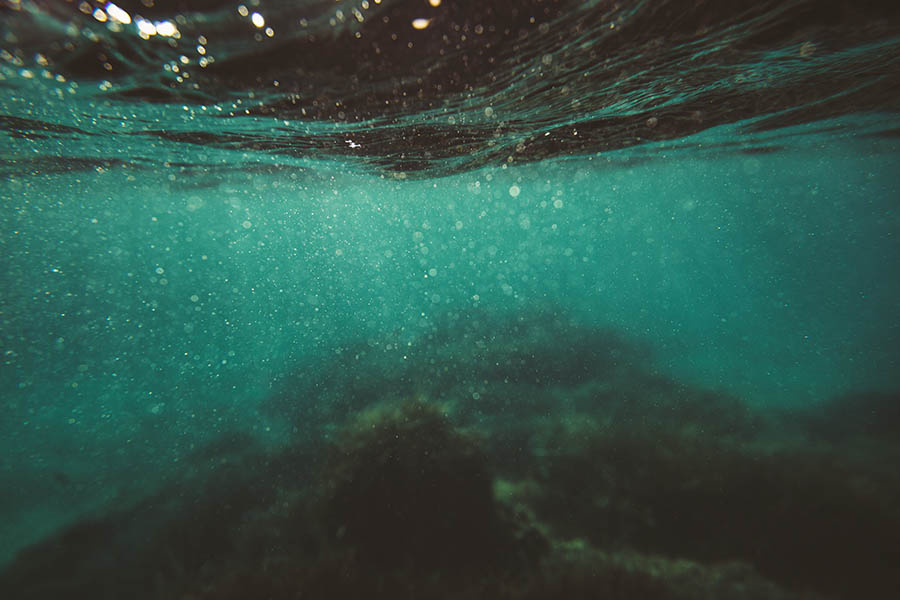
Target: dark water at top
{"type": "Point", "coordinates": [405, 87]}
{"type": "Point", "coordinates": [626, 273]}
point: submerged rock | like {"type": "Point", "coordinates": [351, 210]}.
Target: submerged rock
{"type": "Point", "coordinates": [404, 488]}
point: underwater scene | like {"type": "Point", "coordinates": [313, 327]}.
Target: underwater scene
{"type": "Point", "coordinates": [433, 299]}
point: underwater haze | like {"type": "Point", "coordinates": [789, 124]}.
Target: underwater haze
{"type": "Point", "coordinates": [437, 299]}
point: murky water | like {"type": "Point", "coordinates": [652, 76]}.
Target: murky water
{"type": "Point", "coordinates": [418, 297]}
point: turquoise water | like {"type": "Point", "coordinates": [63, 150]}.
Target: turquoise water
{"type": "Point", "coordinates": [198, 302]}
